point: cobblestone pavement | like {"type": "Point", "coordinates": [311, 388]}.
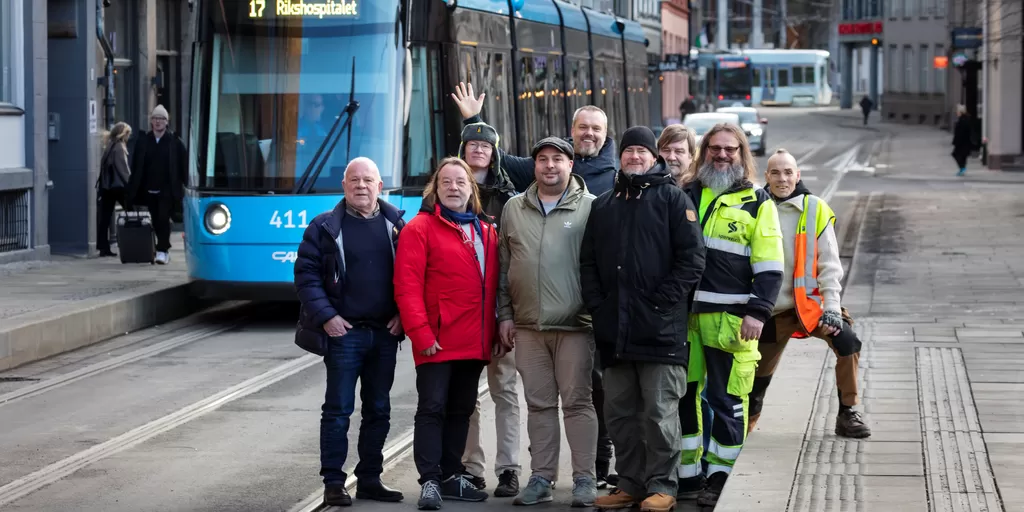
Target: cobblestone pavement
{"type": "Point", "coordinates": [937, 288]}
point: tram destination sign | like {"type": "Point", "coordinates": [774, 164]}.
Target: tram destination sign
{"type": "Point", "coordinates": [264, 9]}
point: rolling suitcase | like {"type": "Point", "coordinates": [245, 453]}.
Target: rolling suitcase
{"type": "Point", "coordinates": [136, 241]}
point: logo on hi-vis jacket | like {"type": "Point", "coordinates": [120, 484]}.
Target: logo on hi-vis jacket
{"type": "Point", "coordinates": [732, 227]}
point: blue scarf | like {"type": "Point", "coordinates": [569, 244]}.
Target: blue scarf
{"type": "Point", "coordinates": [462, 218]}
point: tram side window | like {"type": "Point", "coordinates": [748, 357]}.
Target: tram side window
{"type": "Point", "coordinates": [534, 98]}
{"type": "Point", "coordinates": [603, 93]}
{"type": "Point", "coordinates": [493, 80]}
{"type": "Point", "coordinates": [579, 85]}
{"type": "Point", "coordinates": [426, 118]}
{"type": "Point", "coordinates": [783, 77]}
{"type": "Point", "coordinates": [556, 107]}
{"type": "Point", "coordinates": [616, 95]}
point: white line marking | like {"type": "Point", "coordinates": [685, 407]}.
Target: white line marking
{"type": "Point", "coordinates": [843, 163]}
{"type": "Point", "coordinates": [811, 153]}
{"type": "Point", "coordinates": [133, 356]}
{"type": "Point", "coordinates": [392, 456]}
{"type": "Point", "coordinates": [62, 468]}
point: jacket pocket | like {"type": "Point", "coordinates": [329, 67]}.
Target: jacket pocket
{"type": "Point", "coordinates": [735, 225]}
{"type": "Point", "coordinates": [606, 322]}
{"type": "Point", "coordinates": [653, 325]}
{"type": "Point", "coordinates": [741, 377]}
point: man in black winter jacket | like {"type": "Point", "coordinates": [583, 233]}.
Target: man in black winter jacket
{"type": "Point", "coordinates": [642, 255]}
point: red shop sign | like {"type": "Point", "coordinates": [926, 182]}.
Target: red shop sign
{"type": "Point", "coordinates": [860, 27]}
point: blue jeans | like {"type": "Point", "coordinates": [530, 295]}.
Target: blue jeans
{"type": "Point", "coordinates": [367, 355]}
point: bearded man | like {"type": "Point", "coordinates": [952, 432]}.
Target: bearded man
{"type": "Point", "coordinates": [736, 296]}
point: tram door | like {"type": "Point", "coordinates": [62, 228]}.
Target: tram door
{"type": "Point", "coordinates": [768, 84]}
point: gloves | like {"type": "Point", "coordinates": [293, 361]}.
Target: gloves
{"type": "Point", "coordinates": [832, 319]}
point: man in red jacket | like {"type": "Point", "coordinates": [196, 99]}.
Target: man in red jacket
{"type": "Point", "coordinates": [446, 286]}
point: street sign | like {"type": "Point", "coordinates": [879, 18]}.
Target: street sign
{"type": "Point", "coordinates": [966, 37]}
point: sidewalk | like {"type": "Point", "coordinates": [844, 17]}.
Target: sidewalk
{"type": "Point", "coordinates": [50, 307]}
{"type": "Point", "coordinates": [937, 289]}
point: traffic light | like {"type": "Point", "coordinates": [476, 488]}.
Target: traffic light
{"type": "Point", "coordinates": [874, 41]}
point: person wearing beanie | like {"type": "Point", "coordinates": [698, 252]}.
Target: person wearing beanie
{"type": "Point", "coordinates": [641, 256]}
{"type": "Point", "coordinates": [159, 170]}
{"type": "Point", "coordinates": [479, 149]}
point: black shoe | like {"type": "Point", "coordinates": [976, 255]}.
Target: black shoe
{"type": "Point", "coordinates": [709, 496]}
{"type": "Point", "coordinates": [477, 481]}
{"type": "Point", "coordinates": [508, 485]}
{"type": "Point", "coordinates": [601, 468]}
{"type": "Point", "coordinates": [458, 487]}
{"type": "Point", "coordinates": [691, 488]}
{"type": "Point", "coordinates": [430, 496]}
{"type": "Point", "coordinates": [613, 480]}
{"type": "Point", "coordinates": [107, 253]}
{"type": "Point", "coordinates": [337, 496]}
{"type": "Point", "coordinates": [377, 491]}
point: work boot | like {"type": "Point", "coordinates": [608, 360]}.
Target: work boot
{"type": "Point", "coordinates": [690, 488]}
{"type": "Point", "coordinates": [584, 492]}
{"type": "Point", "coordinates": [617, 499]}
{"type": "Point", "coordinates": [849, 423]}
{"type": "Point", "coordinates": [337, 496]}
{"type": "Point", "coordinates": [508, 485]}
{"type": "Point", "coordinates": [709, 496]}
{"type": "Point", "coordinates": [658, 502]}
{"type": "Point", "coordinates": [538, 490]}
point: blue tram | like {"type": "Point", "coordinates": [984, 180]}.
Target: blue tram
{"type": "Point", "coordinates": [286, 92]}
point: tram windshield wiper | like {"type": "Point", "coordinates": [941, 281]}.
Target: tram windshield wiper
{"type": "Point", "coordinates": [305, 182]}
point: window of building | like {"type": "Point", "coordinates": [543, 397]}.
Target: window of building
{"type": "Point", "coordinates": [940, 74]}
{"type": "Point", "coordinates": [892, 76]}
{"type": "Point", "coordinates": [940, 9]}
{"type": "Point", "coordinates": [908, 68]}
{"type": "Point", "coordinates": [924, 56]}
{"type": "Point", "coordinates": [10, 72]}
{"type": "Point", "coordinates": [895, 8]}
{"type": "Point", "coordinates": [910, 8]}
{"type": "Point", "coordinates": [928, 8]}
{"type": "Point", "coordinates": [168, 66]}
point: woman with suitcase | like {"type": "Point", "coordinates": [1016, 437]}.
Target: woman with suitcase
{"type": "Point", "coordinates": [113, 177]}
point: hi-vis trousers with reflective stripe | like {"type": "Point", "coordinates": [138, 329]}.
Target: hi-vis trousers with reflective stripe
{"type": "Point", "coordinates": [729, 363]}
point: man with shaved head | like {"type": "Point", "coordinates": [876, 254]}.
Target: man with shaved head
{"type": "Point", "coordinates": [343, 276]}
{"type": "Point", "coordinates": [808, 304]}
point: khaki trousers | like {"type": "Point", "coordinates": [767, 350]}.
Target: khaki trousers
{"type": "Point", "coordinates": [501, 381]}
{"type": "Point", "coordinates": [553, 365]}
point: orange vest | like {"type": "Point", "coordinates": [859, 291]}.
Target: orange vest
{"type": "Point", "coordinates": [805, 264]}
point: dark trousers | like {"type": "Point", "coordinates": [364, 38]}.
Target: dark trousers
{"type": "Point", "coordinates": [447, 398]}
{"type": "Point", "coordinates": [369, 356]}
{"type": "Point", "coordinates": [160, 205]}
{"type": "Point", "coordinates": [604, 441]}
{"type": "Point", "coordinates": [106, 200]}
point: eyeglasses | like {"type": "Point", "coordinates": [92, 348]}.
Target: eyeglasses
{"type": "Point", "coordinates": [478, 146]}
{"type": "Point", "coordinates": [731, 150]}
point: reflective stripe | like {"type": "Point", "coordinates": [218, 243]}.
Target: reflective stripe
{"type": "Point", "coordinates": [811, 214]}
{"type": "Point", "coordinates": [726, 246]}
{"type": "Point", "coordinates": [689, 470]}
{"type": "Point", "coordinates": [691, 443]}
{"type": "Point", "coordinates": [718, 468]}
{"type": "Point", "coordinates": [767, 266]}
{"type": "Point", "coordinates": [721, 298]}
{"type": "Point", "coordinates": [728, 453]}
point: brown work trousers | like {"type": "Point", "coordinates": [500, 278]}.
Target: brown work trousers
{"type": "Point", "coordinates": [774, 338]}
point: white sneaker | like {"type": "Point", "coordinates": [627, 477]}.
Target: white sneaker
{"type": "Point", "coordinates": [162, 258]}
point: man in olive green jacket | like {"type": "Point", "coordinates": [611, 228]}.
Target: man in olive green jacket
{"type": "Point", "coordinates": [541, 314]}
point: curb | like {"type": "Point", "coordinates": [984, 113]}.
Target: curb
{"type": "Point", "coordinates": [54, 331]}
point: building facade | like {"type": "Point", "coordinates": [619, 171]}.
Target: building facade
{"type": "Point", "coordinates": [1003, 68]}
{"type": "Point", "coordinates": [675, 40]}
{"type": "Point", "coordinates": [24, 175]}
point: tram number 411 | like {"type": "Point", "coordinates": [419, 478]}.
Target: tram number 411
{"type": "Point", "coordinates": [286, 220]}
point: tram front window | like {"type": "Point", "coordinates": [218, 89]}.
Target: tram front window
{"type": "Point", "coordinates": [734, 82]}
{"type": "Point", "coordinates": [277, 81]}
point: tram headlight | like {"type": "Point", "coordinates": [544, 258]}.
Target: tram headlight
{"type": "Point", "coordinates": [217, 218]}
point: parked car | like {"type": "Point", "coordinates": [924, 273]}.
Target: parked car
{"type": "Point", "coordinates": [755, 126]}
{"type": "Point", "coordinates": [702, 122]}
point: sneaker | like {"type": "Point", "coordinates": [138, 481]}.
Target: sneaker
{"type": "Point", "coordinates": [460, 488]}
{"type": "Point", "coordinates": [690, 488]}
{"type": "Point", "coordinates": [508, 484]}
{"type": "Point", "coordinates": [337, 496]}
{"type": "Point", "coordinates": [163, 258]}
{"type": "Point", "coordinates": [430, 496]}
{"type": "Point", "coordinates": [477, 481]}
{"type": "Point", "coordinates": [617, 499]}
{"type": "Point", "coordinates": [709, 496]}
{"type": "Point", "coordinates": [538, 490]}
{"type": "Point", "coordinates": [658, 502]}
{"type": "Point", "coordinates": [584, 492]}
{"type": "Point", "coordinates": [850, 423]}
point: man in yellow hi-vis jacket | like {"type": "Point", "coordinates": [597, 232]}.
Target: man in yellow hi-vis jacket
{"type": "Point", "coordinates": [736, 296]}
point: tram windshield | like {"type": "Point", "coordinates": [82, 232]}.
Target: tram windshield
{"type": "Point", "coordinates": [272, 78]}
{"type": "Point", "coordinates": [734, 81]}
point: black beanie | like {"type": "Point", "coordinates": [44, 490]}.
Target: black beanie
{"type": "Point", "coordinates": [639, 136]}
{"type": "Point", "coordinates": [480, 131]}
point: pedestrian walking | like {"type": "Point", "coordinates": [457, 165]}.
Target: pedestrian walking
{"type": "Point", "coordinates": [865, 106]}
{"type": "Point", "coordinates": [642, 254]}
{"type": "Point", "coordinates": [113, 178]}
{"type": "Point", "coordinates": [541, 315]}
{"type": "Point", "coordinates": [963, 139]}
{"type": "Point", "coordinates": [735, 298]}
{"type": "Point", "coordinates": [676, 146]}
{"type": "Point", "coordinates": [594, 159]}
{"type": "Point", "coordinates": [809, 300]}
{"type": "Point", "coordinates": [343, 276]}
{"type": "Point", "coordinates": [159, 171]}
{"type": "Point", "coordinates": [497, 185]}
{"type": "Point", "coordinates": [446, 286]}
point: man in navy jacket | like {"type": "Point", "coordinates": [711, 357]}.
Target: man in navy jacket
{"type": "Point", "coordinates": [344, 279]}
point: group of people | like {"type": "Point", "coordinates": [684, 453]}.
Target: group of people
{"type": "Point", "coordinates": [151, 175]}
{"type": "Point", "coordinates": [630, 287]}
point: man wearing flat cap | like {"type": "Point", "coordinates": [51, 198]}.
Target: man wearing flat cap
{"type": "Point", "coordinates": [541, 314]}
{"type": "Point", "coordinates": [642, 255]}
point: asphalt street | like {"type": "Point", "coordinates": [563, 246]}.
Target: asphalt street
{"type": "Point", "coordinates": [224, 415]}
